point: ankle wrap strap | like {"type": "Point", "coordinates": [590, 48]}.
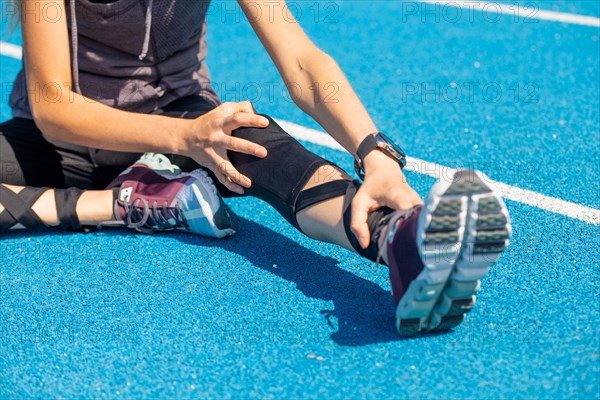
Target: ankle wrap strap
{"type": "Point", "coordinates": [373, 221]}
{"type": "Point", "coordinates": [17, 208]}
{"type": "Point", "coordinates": [348, 189]}
{"type": "Point", "coordinates": [66, 204]}
{"type": "Point", "coordinates": [320, 193]}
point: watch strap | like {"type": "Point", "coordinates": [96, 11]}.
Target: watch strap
{"type": "Point", "coordinates": [368, 144]}
{"type": "Point", "coordinates": [372, 142]}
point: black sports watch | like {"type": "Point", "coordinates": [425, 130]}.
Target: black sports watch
{"type": "Point", "coordinates": [381, 142]}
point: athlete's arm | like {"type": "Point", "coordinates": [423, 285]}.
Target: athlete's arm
{"type": "Point", "coordinates": [64, 115]}
{"type": "Point", "coordinates": [316, 83]}
{"type": "Point", "coordinates": [335, 106]}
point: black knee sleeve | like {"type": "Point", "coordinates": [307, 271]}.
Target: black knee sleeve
{"type": "Point", "coordinates": [279, 178]}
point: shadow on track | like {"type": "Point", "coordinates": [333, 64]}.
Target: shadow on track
{"type": "Point", "coordinates": [364, 311]}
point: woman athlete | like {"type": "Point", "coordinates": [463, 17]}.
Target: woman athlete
{"type": "Point", "coordinates": [105, 81]}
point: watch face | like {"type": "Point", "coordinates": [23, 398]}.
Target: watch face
{"type": "Point", "coordinates": [394, 150]}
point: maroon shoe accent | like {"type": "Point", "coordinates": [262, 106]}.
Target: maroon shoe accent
{"type": "Point", "coordinates": [404, 261]}
{"type": "Point", "coordinates": [145, 175]}
{"type": "Point", "coordinates": [146, 200]}
{"type": "Point", "coordinates": [133, 173]}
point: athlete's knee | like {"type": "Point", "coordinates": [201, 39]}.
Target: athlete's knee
{"type": "Point", "coordinates": [287, 167]}
{"type": "Point", "coordinates": [291, 178]}
{"type": "Point", "coordinates": [266, 136]}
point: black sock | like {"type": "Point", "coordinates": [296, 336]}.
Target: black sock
{"type": "Point", "coordinates": [377, 221]}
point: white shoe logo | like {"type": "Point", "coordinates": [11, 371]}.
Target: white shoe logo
{"type": "Point", "coordinates": [125, 194]}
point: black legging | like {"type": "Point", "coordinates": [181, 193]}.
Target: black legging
{"type": "Point", "coordinates": [28, 159]}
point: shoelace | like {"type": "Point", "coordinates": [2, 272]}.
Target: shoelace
{"type": "Point", "coordinates": [140, 214]}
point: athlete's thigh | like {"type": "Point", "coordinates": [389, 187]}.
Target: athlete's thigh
{"type": "Point", "coordinates": [108, 164]}
{"type": "Point", "coordinates": [28, 159]}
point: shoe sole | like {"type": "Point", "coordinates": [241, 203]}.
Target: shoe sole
{"type": "Point", "coordinates": [463, 229]}
{"type": "Point", "coordinates": [213, 209]}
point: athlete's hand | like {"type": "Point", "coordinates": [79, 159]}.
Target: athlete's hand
{"type": "Point", "coordinates": [384, 185]}
{"type": "Point", "coordinates": [208, 138]}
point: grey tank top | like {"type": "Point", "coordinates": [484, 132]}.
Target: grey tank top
{"type": "Point", "coordinates": [134, 55]}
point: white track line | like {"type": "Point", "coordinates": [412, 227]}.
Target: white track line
{"type": "Point", "coordinates": [558, 206]}
{"type": "Point", "coordinates": [514, 11]}
{"type": "Point", "coordinates": [11, 50]}
{"type": "Point", "coordinates": [552, 204]}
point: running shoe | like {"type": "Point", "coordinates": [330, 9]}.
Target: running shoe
{"type": "Point", "coordinates": [438, 253]}
{"type": "Point", "coordinates": [154, 195]}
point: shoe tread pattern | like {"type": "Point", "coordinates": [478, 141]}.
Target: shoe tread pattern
{"type": "Point", "coordinates": [482, 235]}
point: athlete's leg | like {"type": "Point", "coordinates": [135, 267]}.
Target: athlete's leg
{"type": "Point", "coordinates": [92, 207]}
{"type": "Point", "coordinates": [436, 253]}
{"type": "Point", "coordinates": [310, 192]}
{"type": "Point", "coordinates": [35, 174]}
{"type": "Point", "coordinates": [30, 165]}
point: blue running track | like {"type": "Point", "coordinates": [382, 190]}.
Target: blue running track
{"type": "Point", "coordinates": [270, 313]}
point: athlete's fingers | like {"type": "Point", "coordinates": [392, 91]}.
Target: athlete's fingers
{"type": "Point", "coordinates": [227, 169]}
{"type": "Point", "coordinates": [244, 146]}
{"type": "Point", "coordinates": [401, 199]}
{"type": "Point", "coordinates": [227, 174]}
{"type": "Point", "coordinates": [245, 106]}
{"type": "Point", "coordinates": [244, 119]}
{"type": "Point", "coordinates": [228, 183]}
{"type": "Point", "coordinates": [358, 221]}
